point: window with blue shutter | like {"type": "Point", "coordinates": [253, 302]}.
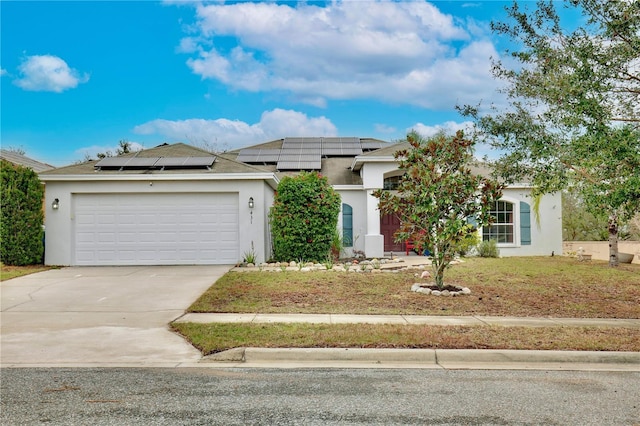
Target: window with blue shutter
{"type": "Point", "coordinates": [525, 224]}
{"type": "Point", "coordinates": [501, 229]}
{"type": "Point", "coordinates": [347, 225]}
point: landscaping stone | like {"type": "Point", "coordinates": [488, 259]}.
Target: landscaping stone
{"type": "Point", "coordinates": [448, 291]}
{"type": "Point", "coordinates": [375, 266]}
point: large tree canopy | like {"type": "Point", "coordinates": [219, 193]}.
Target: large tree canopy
{"type": "Point", "coordinates": [574, 105]}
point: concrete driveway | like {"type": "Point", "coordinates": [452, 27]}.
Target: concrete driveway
{"type": "Point", "coordinates": [85, 316]}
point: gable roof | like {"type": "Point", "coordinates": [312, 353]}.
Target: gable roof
{"type": "Point", "coordinates": [178, 150]}
{"type": "Point", "coordinates": [334, 165]}
{"type": "Point", "coordinates": [386, 155]}
{"type": "Point", "coordinates": [22, 160]}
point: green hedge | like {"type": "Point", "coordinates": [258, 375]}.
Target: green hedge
{"type": "Point", "coordinates": [303, 218]}
{"type": "Point", "coordinates": [22, 217]}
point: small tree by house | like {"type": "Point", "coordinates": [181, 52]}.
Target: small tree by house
{"type": "Point", "coordinates": [439, 197]}
{"type": "Point", "coordinates": [304, 217]}
{"type": "Point", "coordinates": [22, 217]}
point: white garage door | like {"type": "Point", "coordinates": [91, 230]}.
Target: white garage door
{"type": "Point", "coordinates": [156, 229]}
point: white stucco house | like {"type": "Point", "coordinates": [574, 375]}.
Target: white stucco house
{"type": "Point", "coordinates": [177, 204]}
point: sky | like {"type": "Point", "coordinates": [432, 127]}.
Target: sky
{"type": "Point", "coordinates": [77, 77]}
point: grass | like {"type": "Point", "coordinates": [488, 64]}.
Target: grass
{"type": "Point", "coordinates": [7, 272]}
{"type": "Point", "coordinates": [212, 338]}
{"type": "Point", "coordinates": [525, 287]}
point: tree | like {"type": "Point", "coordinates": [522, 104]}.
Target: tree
{"type": "Point", "coordinates": [22, 217]}
{"type": "Point", "coordinates": [578, 224]}
{"type": "Point", "coordinates": [574, 106]}
{"type": "Point", "coordinates": [304, 217]}
{"type": "Point", "coordinates": [439, 200]}
{"type": "Point", "coordinates": [124, 147]}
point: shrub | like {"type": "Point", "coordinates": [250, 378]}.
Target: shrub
{"type": "Point", "coordinates": [21, 230]}
{"type": "Point", "coordinates": [467, 244]}
{"type": "Point", "coordinates": [304, 217]}
{"type": "Point", "coordinates": [488, 249]}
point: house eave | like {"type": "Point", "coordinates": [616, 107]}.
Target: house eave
{"type": "Point", "coordinates": [271, 179]}
{"type": "Point", "coordinates": [359, 161]}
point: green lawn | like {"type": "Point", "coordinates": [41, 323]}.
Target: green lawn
{"type": "Point", "coordinates": [526, 287]}
{"type": "Point", "coordinates": [538, 287]}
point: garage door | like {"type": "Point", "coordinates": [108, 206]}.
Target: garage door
{"type": "Point", "coordinates": [155, 229]}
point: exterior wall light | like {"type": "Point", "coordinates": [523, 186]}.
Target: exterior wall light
{"type": "Point", "coordinates": [251, 204]}
{"type": "Point", "coordinates": [56, 204]}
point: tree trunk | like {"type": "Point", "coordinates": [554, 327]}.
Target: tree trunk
{"type": "Point", "coordinates": [613, 241]}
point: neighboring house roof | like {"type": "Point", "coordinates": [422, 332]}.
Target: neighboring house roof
{"type": "Point", "coordinates": [21, 160]}
{"type": "Point", "coordinates": [220, 164]}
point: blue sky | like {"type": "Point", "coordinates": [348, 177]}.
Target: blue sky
{"type": "Point", "coordinates": [79, 76]}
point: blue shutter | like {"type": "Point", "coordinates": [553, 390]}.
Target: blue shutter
{"type": "Point", "coordinates": [525, 224]}
{"type": "Point", "coordinates": [347, 225]}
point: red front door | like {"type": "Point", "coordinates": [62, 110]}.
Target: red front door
{"type": "Point", "coordinates": [389, 224]}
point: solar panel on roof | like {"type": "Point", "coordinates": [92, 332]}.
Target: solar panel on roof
{"type": "Point", "coordinates": [301, 143]}
{"type": "Point", "coordinates": [269, 157]}
{"type": "Point", "coordinates": [141, 162]}
{"type": "Point", "coordinates": [126, 162]}
{"type": "Point", "coordinates": [341, 150]}
{"type": "Point", "coordinates": [291, 140]}
{"type": "Point", "coordinates": [112, 162]}
{"type": "Point", "coordinates": [304, 151]}
{"type": "Point", "coordinates": [247, 157]}
{"type": "Point", "coordinates": [341, 140]}
{"type": "Point", "coordinates": [144, 163]}
{"type": "Point", "coordinates": [373, 145]}
{"type": "Point", "coordinates": [186, 161]}
{"type": "Point", "coordinates": [299, 157]}
{"type": "Point", "coordinates": [257, 155]}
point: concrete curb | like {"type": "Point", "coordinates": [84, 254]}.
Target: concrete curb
{"type": "Point", "coordinates": [424, 358]}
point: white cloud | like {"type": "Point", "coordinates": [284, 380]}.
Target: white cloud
{"type": "Point", "coordinates": [448, 127]}
{"type": "Point", "coordinates": [233, 134]}
{"type": "Point", "coordinates": [48, 73]}
{"type": "Point", "coordinates": [3, 72]}
{"type": "Point", "coordinates": [397, 52]}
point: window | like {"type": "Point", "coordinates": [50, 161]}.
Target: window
{"type": "Point", "coordinates": [502, 228]}
{"type": "Point", "coordinates": [391, 183]}
{"type": "Point", "coordinates": [347, 225]}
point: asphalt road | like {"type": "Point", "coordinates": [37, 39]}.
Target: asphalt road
{"type": "Point", "coordinates": [201, 396]}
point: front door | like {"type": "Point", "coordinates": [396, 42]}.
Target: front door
{"type": "Point", "coordinates": [389, 224]}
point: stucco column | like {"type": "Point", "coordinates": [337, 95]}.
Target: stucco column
{"type": "Point", "coordinates": [373, 240]}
